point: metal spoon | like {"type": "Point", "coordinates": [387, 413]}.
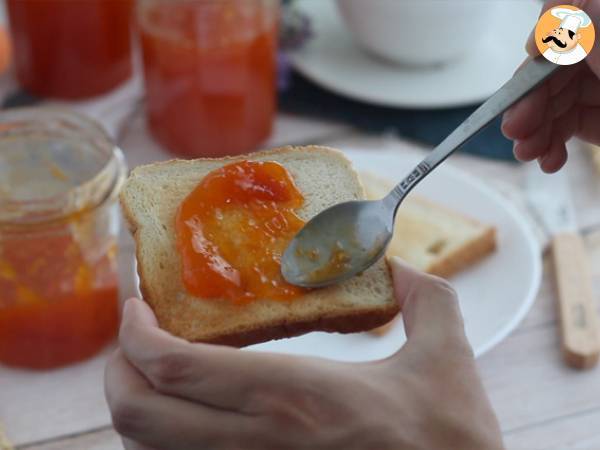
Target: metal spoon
{"type": "Point", "coordinates": [347, 238]}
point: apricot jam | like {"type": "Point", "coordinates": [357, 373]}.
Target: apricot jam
{"type": "Point", "coordinates": [55, 307]}
{"type": "Point", "coordinates": [71, 49]}
{"type": "Point", "coordinates": [232, 230]}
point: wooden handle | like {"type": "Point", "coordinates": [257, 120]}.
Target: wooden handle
{"type": "Point", "coordinates": [580, 326]}
{"type": "Point", "coordinates": [596, 156]}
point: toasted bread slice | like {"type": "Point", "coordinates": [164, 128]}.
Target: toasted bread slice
{"type": "Point", "coordinates": [431, 237]}
{"type": "Point", "coordinates": [150, 199]}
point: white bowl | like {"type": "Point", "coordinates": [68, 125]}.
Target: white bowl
{"type": "Point", "coordinates": [418, 32]}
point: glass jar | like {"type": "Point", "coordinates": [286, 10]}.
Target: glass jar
{"type": "Point", "coordinates": [210, 73]}
{"type": "Point", "coordinates": [71, 49]}
{"type": "Point", "coordinates": [59, 179]}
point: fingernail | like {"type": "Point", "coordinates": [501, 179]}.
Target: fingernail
{"type": "Point", "coordinates": [516, 151]}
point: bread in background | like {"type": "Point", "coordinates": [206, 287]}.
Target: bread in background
{"type": "Point", "coordinates": [431, 237]}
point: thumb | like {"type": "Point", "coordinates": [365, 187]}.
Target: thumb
{"type": "Point", "coordinates": [140, 337]}
{"type": "Point", "coordinates": [137, 310]}
{"type": "Point", "coordinates": [430, 310]}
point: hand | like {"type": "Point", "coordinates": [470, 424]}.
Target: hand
{"type": "Point", "coordinates": [166, 393]}
{"type": "Point", "coordinates": [566, 105]}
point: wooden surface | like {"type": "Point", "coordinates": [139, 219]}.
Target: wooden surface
{"type": "Point", "coordinates": [541, 403]}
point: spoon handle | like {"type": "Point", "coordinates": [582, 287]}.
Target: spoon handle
{"type": "Point", "coordinates": [524, 80]}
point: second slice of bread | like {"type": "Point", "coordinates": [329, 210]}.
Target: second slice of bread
{"type": "Point", "coordinates": [150, 199]}
{"type": "Point", "coordinates": [431, 237]}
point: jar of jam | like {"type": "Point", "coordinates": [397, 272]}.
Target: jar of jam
{"type": "Point", "coordinates": [71, 49]}
{"type": "Point", "coordinates": [59, 179]}
{"type": "Point", "coordinates": [210, 73]}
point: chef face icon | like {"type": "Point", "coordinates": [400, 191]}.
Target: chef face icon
{"type": "Point", "coordinates": [561, 40]}
{"type": "Point", "coordinates": [564, 35]}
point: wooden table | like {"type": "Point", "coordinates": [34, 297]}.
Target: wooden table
{"type": "Point", "coordinates": [541, 403]}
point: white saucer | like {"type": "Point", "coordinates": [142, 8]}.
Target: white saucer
{"type": "Point", "coordinates": [332, 60]}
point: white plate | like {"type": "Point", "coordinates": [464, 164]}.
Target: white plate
{"type": "Point", "coordinates": [332, 60]}
{"type": "Point", "coordinates": [494, 295]}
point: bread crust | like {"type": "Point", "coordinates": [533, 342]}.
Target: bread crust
{"type": "Point", "coordinates": [350, 323]}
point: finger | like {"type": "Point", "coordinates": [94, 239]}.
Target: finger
{"type": "Point", "coordinates": [219, 376]}
{"type": "Point", "coordinates": [535, 145]}
{"type": "Point", "coordinates": [564, 77]}
{"type": "Point", "coordinates": [588, 127]}
{"type": "Point", "coordinates": [563, 101]}
{"type": "Point", "coordinates": [549, 137]}
{"type": "Point", "coordinates": [430, 311]}
{"type": "Point", "coordinates": [527, 115]}
{"type": "Point", "coordinates": [142, 415]}
{"type": "Point", "coordinates": [589, 92]}
{"type": "Point", "coordinates": [556, 158]}
{"type": "Point", "coordinates": [565, 126]}
{"type": "Point", "coordinates": [524, 117]}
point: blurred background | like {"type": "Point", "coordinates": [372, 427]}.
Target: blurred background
{"type": "Point", "coordinates": [332, 58]}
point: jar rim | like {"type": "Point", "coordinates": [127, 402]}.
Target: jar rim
{"type": "Point", "coordinates": [91, 193]}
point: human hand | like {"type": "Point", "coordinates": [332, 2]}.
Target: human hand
{"type": "Point", "coordinates": [566, 105]}
{"type": "Point", "coordinates": [166, 393]}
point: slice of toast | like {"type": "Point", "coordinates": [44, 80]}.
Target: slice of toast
{"type": "Point", "coordinates": [431, 237]}
{"type": "Point", "coordinates": [150, 199]}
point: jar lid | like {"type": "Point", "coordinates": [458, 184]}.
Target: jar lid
{"type": "Point", "coordinates": [54, 164]}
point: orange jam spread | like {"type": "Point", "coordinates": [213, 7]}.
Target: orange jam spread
{"type": "Point", "coordinates": [233, 229]}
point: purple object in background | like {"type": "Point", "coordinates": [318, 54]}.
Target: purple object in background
{"type": "Point", "coordinates": [294, 31]}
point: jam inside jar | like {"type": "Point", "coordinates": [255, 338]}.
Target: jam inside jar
{"type": "Point", "coordinates": [71, 49]}
{"type": "Point", "coordinates": [59, 177]}
{"type": "Point", "coordinates": [209, 71]}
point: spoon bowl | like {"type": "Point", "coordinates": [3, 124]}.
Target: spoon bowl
{"type": "Point", "coordinates": [339, 243]}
